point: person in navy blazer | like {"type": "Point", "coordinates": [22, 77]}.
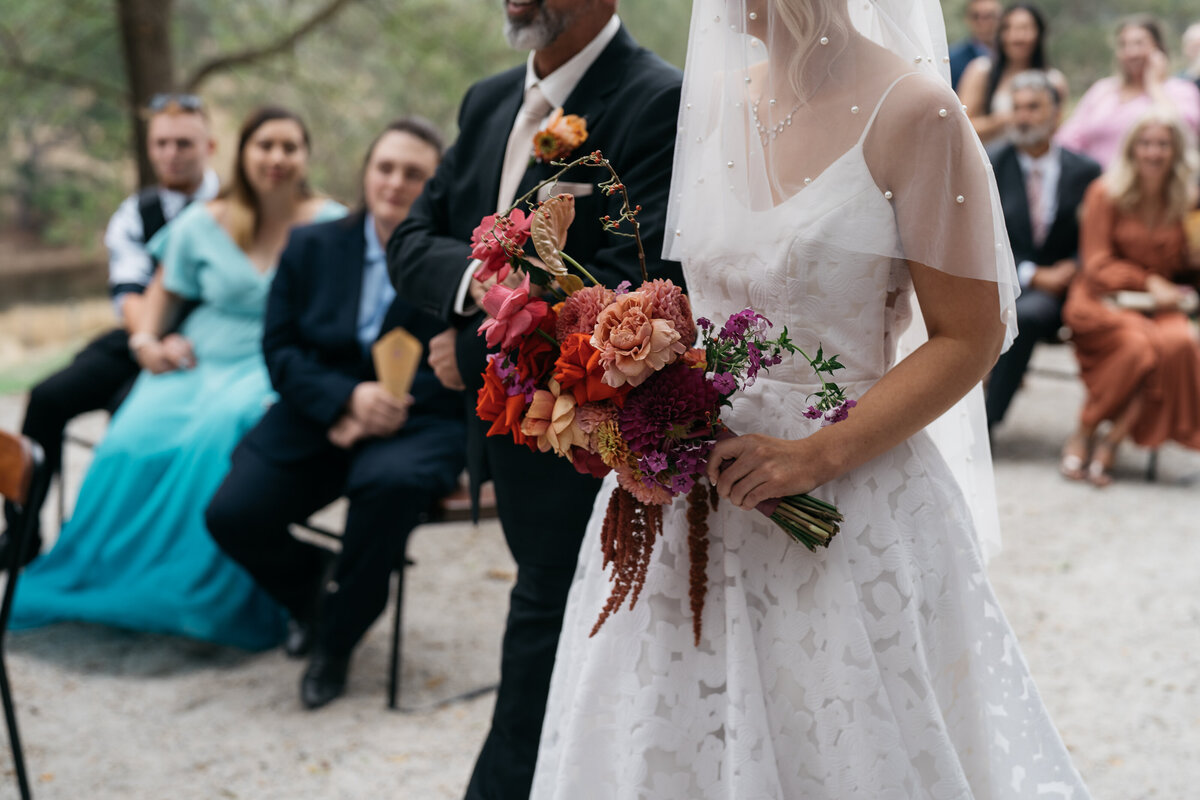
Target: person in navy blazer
{"type": "Point", "coordinates": [584, 61]}
{"type": "Point", "coordinates": [335, 430]}
{"type": "Point", "coordinates": [1048, 260]}
{"type": "Point", "coordinates": [983, 20]}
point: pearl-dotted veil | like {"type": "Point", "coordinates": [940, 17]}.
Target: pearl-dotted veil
{"type": "Point", "coordinates": [778, 91]}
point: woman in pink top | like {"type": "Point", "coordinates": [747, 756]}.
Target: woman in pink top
{"type": "Point", "coordinates": [1105, 114]}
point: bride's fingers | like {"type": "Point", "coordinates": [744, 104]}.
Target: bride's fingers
{"type": "Point", "coordinates": [744, 490]}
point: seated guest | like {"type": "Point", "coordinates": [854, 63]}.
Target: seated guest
{"type": "Point", "coordinates": [1141, 368]}
{"type": "Point", "coordinates": [336, 430]}
{"type": "Point", "coordinates": [1041, 187]}
{"type": "Point", "coordinates": [1108, 109]}
{"type": "Point", "coordinates": [986, 88]}
{"type": "Point", "coordinates": [1191, 54]}
{"type": "Point", "coordinates": [136, 554]}
{"type": "Point", "coordinates": [178, 144]}
{"type": "Point", "coordinates": [982, 18]}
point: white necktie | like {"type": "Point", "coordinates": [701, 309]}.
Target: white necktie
{"type": "Point", "coordinates": [520, 144]}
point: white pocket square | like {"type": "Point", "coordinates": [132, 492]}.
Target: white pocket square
{"type": "Point", "coordinates": [564, 187]}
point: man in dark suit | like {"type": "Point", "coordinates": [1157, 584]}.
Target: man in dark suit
{"type": "Point", "coordinates": [983, 19]}
{"type": "Point", "coordinates": [1041, 186]}
{"type": "Point", "coordinates": [584, 61]}
{"type": "Point", "coordinates": [336, 430]}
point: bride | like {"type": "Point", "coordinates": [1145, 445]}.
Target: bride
{"type": "Point", "coordinates": [825, 176]}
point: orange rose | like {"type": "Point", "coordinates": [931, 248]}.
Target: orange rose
{"type": "Point", "coordinates": [562, 134]}
{"type": "Point", "coordinates": [495, 405]}
{"type": "Point", "coordinates": [578, 371]}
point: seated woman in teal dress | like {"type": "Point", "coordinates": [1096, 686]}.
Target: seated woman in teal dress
{"type": "Point", "coordinates": [136, 553]}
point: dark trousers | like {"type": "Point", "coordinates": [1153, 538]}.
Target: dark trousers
{"type": "Point", "coordinates": [389, 483]}
{"type": "Point", "coordinates": [1039, 316]}
{"type": "Point", "coordinates": [98, 378]}
{"type": "Point", "coordinates": [544, 537]}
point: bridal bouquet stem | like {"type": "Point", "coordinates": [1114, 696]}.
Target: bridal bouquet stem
{"type": "Point", "coordinates": [613, 380]}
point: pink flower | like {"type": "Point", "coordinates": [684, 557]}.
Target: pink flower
{"type": "Point", "coordinates": [496, 240]}
{"type": "Point", "coordinates": [581, 310]}
{"type": "Point", "coordinates": [670, 303]}
{"type": "Point", "coordinates": [511, 314]}
{"type": "Point", "coordinates": [632, 344]}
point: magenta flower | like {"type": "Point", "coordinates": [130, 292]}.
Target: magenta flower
{"type": "Point", "coordinates": [511, 314]}
{"type": "Point", "coordinates": [724, 383]}
{"type": "Point", "coordinates": [673, 402]}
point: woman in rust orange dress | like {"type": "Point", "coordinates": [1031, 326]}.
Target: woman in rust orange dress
{"type": "Point", "coordinates": [1141, 367]}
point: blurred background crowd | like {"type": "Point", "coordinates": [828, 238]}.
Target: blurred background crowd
{"type": "Point", "coordinates": [337, 111]}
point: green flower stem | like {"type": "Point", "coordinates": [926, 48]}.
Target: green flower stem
{"type": "Point", "coordinates": [579, 267]}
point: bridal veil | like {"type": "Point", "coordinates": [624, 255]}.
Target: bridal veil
{"type": "Point", "coordinates": [777, 91]}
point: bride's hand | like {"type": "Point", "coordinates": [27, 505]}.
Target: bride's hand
{"type": "Point", "coordinates": [752, 468]}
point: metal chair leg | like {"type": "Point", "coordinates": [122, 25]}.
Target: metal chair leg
{"type": "Point", "coordinates": [1152, 467]}
{"type": "Point", "coordinates": [397, 635]}
{"type": "Point", "coordinates": [17, 557]}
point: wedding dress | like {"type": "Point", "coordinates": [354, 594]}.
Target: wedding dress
{"type": "Point", "coordinates": [881, 667]}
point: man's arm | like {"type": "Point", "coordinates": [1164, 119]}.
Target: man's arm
{"type": "Point", "coordinates": [313, 389]}
{"type": "Point", "coordinates": [425, 262]}
{"type": "Point", "coordinates": [129, 265]}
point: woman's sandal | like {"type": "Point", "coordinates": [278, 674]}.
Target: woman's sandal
{"type": "Point", "coordinates": [1099, 470]}
{"type": "Point", "coordinates": [1072, 464]}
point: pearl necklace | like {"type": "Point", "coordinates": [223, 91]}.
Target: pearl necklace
{"type": "Point", "coordinates": [765, 134]}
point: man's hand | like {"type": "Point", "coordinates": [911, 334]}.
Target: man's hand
{"type": "Point", "coordinates": [346, 432]}
{"type": "Point", "coordinates": [165, 355]}
{"type": "Point", "coordinates": [1054, 279]}
{"type": "Point", "coordinates": [443, 359]}
{"type": "Point", "coordinates": [376, 410]}
{"type": "Point", "coordinates": [179, 351]}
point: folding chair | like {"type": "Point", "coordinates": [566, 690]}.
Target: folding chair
{"type": "Point", "coordinates": [23, 480]}
{"type": "Point", "coordinates": [455, 507]}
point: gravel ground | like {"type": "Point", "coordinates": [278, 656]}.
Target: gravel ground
{"type": "Point", "coordinates": [1096, 584]}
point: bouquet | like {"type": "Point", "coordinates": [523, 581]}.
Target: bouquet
{"type": "Point", "coordinates": [613, 380]}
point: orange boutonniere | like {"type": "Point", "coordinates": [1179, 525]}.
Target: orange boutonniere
{"type": "Point", "coordinates": [562, 134]}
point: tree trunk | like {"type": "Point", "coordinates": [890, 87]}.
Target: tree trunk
{"type": "Point", "coordinates": [149, 65]}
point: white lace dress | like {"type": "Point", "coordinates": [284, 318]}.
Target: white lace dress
{"type": "Point", "coordinates": [879, 668]}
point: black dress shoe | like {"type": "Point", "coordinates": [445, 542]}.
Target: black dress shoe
{"type": "Point", "coordinates": [299, 638]}
{"type": "Point", "coordinates": [32, 549]}
{"type": "Point", "coordinates": [324, 680]}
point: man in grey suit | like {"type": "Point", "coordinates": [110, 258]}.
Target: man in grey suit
{"type": "Point", "coordinates": [1041, 186]}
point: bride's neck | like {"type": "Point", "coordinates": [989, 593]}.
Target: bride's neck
{"type": "Point", "coordinates": [817, 70]}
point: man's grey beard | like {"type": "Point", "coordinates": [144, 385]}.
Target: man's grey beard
{"type": "Point", "coordinates": [1031, 136]}
{"type": "Point", "coordinates": [546, 26]}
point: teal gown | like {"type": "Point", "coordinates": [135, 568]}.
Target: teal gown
{"type": "Point", "coordinates": [135, 553]}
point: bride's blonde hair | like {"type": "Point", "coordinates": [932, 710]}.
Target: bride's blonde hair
{"type": "Point", "coordinates": [807, 21]}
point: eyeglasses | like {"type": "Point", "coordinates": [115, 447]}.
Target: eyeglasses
{"type": "Point", "coordinates": [164, 100]}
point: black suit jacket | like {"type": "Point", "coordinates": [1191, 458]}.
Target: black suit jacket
{"type": "Point", "coordinates": [311, 345]}
{"type": "Point", "coordinates": [630, 99]}
{"type": "Point", "coordinates": [1062, 239]}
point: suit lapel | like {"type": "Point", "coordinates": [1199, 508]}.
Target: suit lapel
{"type": "Point", "coordinates": [349, 255]}
{"type": "Point", "coordinates": [589, 99]}
{"type": "Point", "coordinates": [1022, 226]}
